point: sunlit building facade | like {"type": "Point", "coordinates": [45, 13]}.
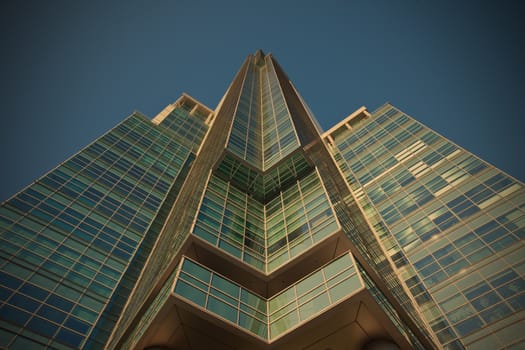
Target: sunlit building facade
{"type": "Point", "coordinates": [452, 225]}
{"type": "Point", "coordinates": [248, 227]}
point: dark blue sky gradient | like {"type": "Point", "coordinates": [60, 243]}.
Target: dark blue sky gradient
{"type": "Point", "coordinates": [73, 69]}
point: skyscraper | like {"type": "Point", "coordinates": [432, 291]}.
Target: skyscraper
{"type": "Point", "coordinates": [248, 227]}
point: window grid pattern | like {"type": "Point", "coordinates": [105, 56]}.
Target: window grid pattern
{"type": "Point", "coordinates": [66, 240]}
{"type": "Point", "coordinates": [483, 299]}
{"type": "Point", "coordinates": [389, 309]}
{"type": "Point", "coordinates": [188, 127]}
{"type": "Point", "coordinates": [246, 134]}
{"type": "Point", "coordinates": [262, 132]}
{"type": "Point", "coordinates": [300, 217]}
{"type": "Point", "coordinates": [263, 186]}
{"type": "Point", "coordinates": [265, 236]}
{"type": "Point", "coordinates": [189, 199]}
{"type": "Point", "coordinates": [279, 136]}
{"type": "Point", "coordinates": [437, 209]}
{"type": "Point", "coordinates": [269, 318]}
{"type": "Point", "coordinates": [193, 109]}
{"type": "Point", "coordinates": [230, 220]}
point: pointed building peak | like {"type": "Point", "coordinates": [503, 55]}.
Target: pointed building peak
{"type": "Point", "coordinates": [259, 57]}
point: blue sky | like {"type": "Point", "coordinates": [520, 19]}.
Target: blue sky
{"type": "Point", "coordinates": [71, 70]}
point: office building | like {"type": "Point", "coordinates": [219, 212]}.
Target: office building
{"type": "Point", "coordinates": [248, 227]}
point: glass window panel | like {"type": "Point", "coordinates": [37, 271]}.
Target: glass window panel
{"type": "Point", "coordinates": [517, 302]}
{"type": "Point", "coordinates": [314, 306]}
{"type": "Point", "coordinates": [254, 325]}
{"type": "Point", "coordinates": [24, 302]}
{"type": "Point", "coordinates": [485, 301]}
{"type": "Point", "coordinates": [305, 297]}
{"type": "Point", "coordinates": [222, 309]}
{"type": "Point", "coordinates": [196, 271]}
{"type": "Point", "coordinates": [34, 291]}
{"type": "Point", "coordinates": [309, 283]}
{"type": "Point", "coordinates": [191, 293]}
{"type": "Point", "coordinates": [468, 326]}
{"type": "Point", "coordinates": [224, 297]}
{"type": "Point", "coordinates": [345, 288]}
{"type": "Point", "coordinates": [225, 286]}
{"type": "Point", "coordinates": [282, 311]}
{"type": "Point", "coordinates": [250, 311]}
{"type": "Point", "coordinates": [77, 325]}
{"type": "Point", "coordinates": [337, 266]}
{"type": "Point", "coordinates": [84, 314]}
{"type": "Point", "coordinates": [512, 288]}
{"type": "Point", "coordinates": [230, 248]}
{"type": "Point", "coordinates": [285, 323]}
{"type": "Point", "coordinates": [253, 300]}
{"type": "Point", "coordinates": [193, 281]}
{"type": "Point", "coordinates": [479, 255]}
{"type": "Point", "coordinates": [495, 313]}
{"type": "Point", "coordinates": [59, 302]}
{"type": "Point", "coordinates": [14, 315]}
{"type": "Point", "coordinates": [42, 326]}
{"type": "Point", "coordinates": [51, 314]}
{"type": "Point", "coordinates": [281, 300]}
{"type": "Point", "coordinates": [203, 232]}
{"type": "Point", "coordinates": [70, 338]}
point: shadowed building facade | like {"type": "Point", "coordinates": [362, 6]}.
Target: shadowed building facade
{"type": "Point", "coordinates": [248, 227]}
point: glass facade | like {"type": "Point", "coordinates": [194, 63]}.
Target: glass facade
{"type": "Point", "coordinates": [248, 219]}
{"type": "Point", "coordinates": [68, 239]}
{"type": "Point", "coordinates": [263, 186]}
{"type": "Point", "coordinates": [265, 205]}
{"type": "Point", "coordinates": [452, 224]}
{"type": "Point", "coordinates": [189, 126]}
{"type": "Point", "coordinates": [265, 236]}
{"type": "Point", "coordinates": [268, 318]}
{"type": "Point", "coordinates": [262, 131]}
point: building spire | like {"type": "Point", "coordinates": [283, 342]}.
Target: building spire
{"type": "Point", "coordinates": [263, 129]}
{"type": "Point", "coordinates": [259, 53]}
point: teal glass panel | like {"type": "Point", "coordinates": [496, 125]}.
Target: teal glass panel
{"type": "Point", "coordinates": [194, 281]}
{"type": "Point", "coordinates": [196, 271]}
{"type": "Point", "coordinates": [224, 297]}
{"type": "Point", "coordinates": [253, 300]}
{"type": "Point", "coordinates": [222, 309]}
{"type": "Point", "coordinates": [191, 293]}
{"type": "Point", "coordinates": [254, 325]}
{"type": "Point", "coordinates": [76, 230]}
{"type": "Point", "coordinates": [261, 315]}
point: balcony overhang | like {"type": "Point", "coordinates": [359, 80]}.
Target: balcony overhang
{"type": "Point", "coordinates": [263, 284]}
{"type": "Point", "coordinates": [350, 325]}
